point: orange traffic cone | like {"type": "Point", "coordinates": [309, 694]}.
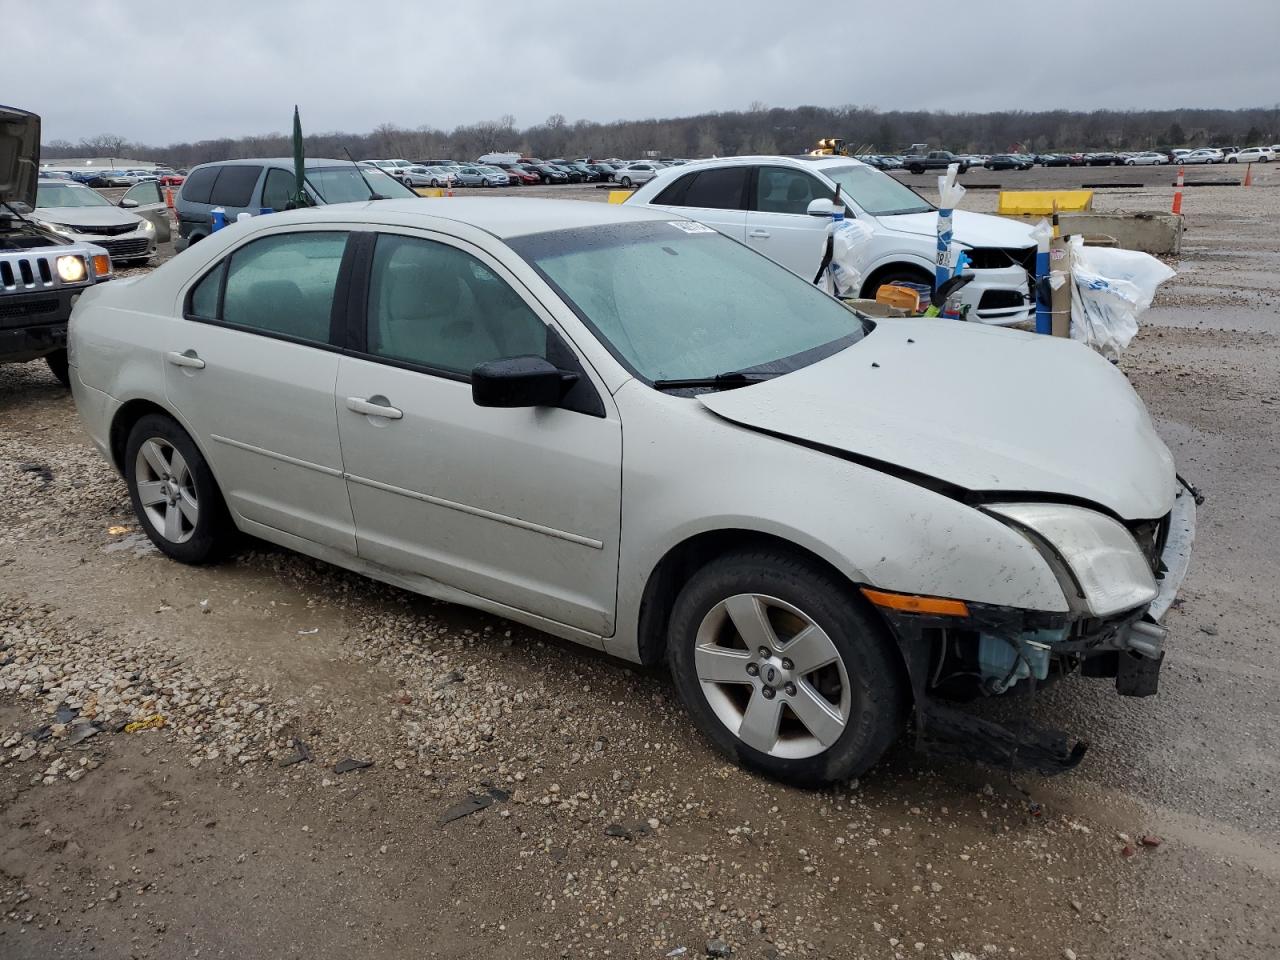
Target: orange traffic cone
{"type": "Point", "coordinates": [1177, 193]}
{"type": "Point", "coordinates": [1248, 175]}
{"type": "Point", "coordinates": [168, 196]}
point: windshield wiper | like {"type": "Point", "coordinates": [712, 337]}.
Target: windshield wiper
{"type": "Point", "coordinates": [725, 381]}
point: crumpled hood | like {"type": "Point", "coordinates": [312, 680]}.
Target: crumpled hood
{"type": "Point", "coordinates": [86, 216]}
{"type": "Point", "coordinates": [968, 228]}
{"type": "Point", "coordinates": [981, 408]}
{"type": "Point", "coordinates": [19, 156]}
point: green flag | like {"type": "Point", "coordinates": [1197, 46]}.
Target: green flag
{"type": "Point", "coordinates": [299, 198]}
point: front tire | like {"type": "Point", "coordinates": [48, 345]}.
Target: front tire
{"type": "Point", "coordinates": [57, 362]}
{"type": "Point", "coordinates": [784, 670]}
{"type": "Point", "coordinates": [174, 493]}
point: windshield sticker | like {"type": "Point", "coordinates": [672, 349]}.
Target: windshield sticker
{"type": "Point", "coordinates": [690, 226]}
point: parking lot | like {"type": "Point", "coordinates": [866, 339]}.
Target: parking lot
{"type": "Point", "coordinates": [608, 827]}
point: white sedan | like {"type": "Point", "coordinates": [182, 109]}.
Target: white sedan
{"type": "Point", "coordinates": [1207, 155]}
{"type": "Point", "coordinates": [639, 172]}
{"type": "Point", "coordinates": [1146, 159]}
{"type": "Point", "coordinates": [618, 426]}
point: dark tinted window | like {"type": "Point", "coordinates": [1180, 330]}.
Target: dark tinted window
{"type": "Point", "coordinates": [717, 189]}
{"type": "Point", "coordinates": [234, 186]}
{"type": "Point", "coordinates": [277, 189]}
{"type": "Point", "coordinates": [433, 305]}
{"type": "Point", "coordinates": [198, 184]}
{"type": "Point", "coordinates": [284, 284]}
{"type": "Point", "coordinates": [673, 195]}
{"type": "Point", "coordinates": [204, 298]}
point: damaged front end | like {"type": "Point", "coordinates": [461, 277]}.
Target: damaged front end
{"type": "Point", "coordinates": [958, 652]}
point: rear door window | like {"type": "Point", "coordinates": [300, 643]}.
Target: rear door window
{"type": "Point", "coordinates": [234, 186]}
{"type": "Point", "coordinates": [284, 284]}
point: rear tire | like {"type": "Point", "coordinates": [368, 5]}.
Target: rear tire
{"type": "Point", "coordinates": [174, 493]}
{"type": "Point", "coordinates": [626, 181]}
{"type": "Point", "coordinates": [57, 362]}
{"type": "Point", "coordinates": [807, 726]}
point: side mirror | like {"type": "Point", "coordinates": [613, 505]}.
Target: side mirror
{"type": "Point", "coordinates": [128, 203]}
{"type": "Point", "coordinates": [821, 207]}
{"type": "Point", "coordinates": [519, 382]}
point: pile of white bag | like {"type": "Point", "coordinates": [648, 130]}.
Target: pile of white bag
{"type": "Point", "coordinates": [1113, 288]}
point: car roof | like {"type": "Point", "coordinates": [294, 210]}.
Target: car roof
{"type": "Point", "coordinates": [286, 162]}
{"type": "Point", "coordinates": [502, 217]}
{"type": "Point", "coordinates": [799, 160]}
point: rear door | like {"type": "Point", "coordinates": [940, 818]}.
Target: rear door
{"type": "Point", "coordinates": [716, 197]}
{"type": "Point", "coordinates": [778, 224]}
{"type": "Point", "coordinates": [251, 369]}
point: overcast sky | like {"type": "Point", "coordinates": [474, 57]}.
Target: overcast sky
{"type": "Point", "coordinates": [161, 73]}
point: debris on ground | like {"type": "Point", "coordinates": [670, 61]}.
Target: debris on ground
{"type": "Point", "coordinates": [301, 753]}
{"type": "Point", "coordinates": [473, 803]}
{"type": "Point", "coordinates": [349, 764]}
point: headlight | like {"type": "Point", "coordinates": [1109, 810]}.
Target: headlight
{"type": "Point", "coordinates": [1099, 563]}
{"type": "Point", "coordinates": [57, 228]}
{"type": "Point", "coordinates": [147, 226]}
{"type": "Point", "coordinates": [72, 269]}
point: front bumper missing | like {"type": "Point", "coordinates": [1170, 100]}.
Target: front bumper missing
{"type": "Point", "coordinates": [1129, 648]}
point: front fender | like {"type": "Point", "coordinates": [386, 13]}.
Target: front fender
{"type": "Point", "coordinates": [687, 472]}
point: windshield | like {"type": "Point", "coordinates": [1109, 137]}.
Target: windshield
{"type": "Point", "coordinates": [876, 192]}
{"type": "Point", "coordinates": [342, 184]}
{"type": "Point", "coordinates": [677, 301]}
{"type": "Point", "coordinates": [68, 195]}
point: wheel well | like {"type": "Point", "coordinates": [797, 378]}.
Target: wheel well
{"type": "Point", "coordinates": [877, 276]}
{"type": "Point", "coordinates": [685, 559]}
{"type": "Point", "coordinates": [125, 418]}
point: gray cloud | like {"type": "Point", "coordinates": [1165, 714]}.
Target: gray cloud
{"type": "Point", "coordinates": [234, 67]}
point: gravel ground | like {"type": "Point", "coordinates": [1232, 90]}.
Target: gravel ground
{"type": "Point", "coordinates": [275, 758]}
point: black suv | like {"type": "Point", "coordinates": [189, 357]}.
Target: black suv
{"type": "Point", "coordinates": [41, 273]}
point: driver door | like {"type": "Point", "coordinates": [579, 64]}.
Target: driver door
{"type": "Point", "coordinates": [520, 506]}
{"type": "Point", "coordinates": [146, 199]}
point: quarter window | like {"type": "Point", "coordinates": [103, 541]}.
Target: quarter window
{"type": "Point", "coordinates": [434, 306]}
{"type": "Point", "coordinates": [717, 189]}
{"type": "Point", "coordinates": [234, 186]}
{"type": "Point", "coordinates": [284, 284]}
{"type": "Point", "coordinates": [198, 184]}
{"type": "Point", "coordinates": [204, 296]}
{"type": "Point", "coordinates": [781, 190]}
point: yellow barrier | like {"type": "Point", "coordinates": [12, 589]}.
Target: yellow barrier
{"type": "Point", "coordinates": [429, 191]}
{"type": "Point", "coordinates": [619, 196]}
{"type": "Point", "coordinates": [1041, 203]}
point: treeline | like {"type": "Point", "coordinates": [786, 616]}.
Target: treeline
{"type": "Point", "coordinates": [759, 129]}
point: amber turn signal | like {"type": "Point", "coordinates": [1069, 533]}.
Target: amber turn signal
{"type": "Point", "coordinates": [101, 266]}
{"type": "Point", "coordinates": [909, 603]}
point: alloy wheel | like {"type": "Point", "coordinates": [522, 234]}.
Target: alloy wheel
{"type": "Point", "coordinates": [772, 676]}
{"type": "Point", "coordinates": [166, 490]}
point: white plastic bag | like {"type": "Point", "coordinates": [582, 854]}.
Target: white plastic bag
{"type": "Point", "coordinates": [849, 240]}
{"type": "Point", "coordinates": [1113, 288]}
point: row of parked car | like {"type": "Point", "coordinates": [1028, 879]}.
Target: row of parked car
{"type": "Point", "coordinates": [939, 159]}
{"type": "Point", "coordinates": [165, 176]}
{"type": "Point", "coordinates": [514, 170]}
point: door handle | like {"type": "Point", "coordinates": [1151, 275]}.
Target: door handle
{"type": "Point", "coordinates": [759, 234]}
{"type": "Point", "coordinates": [377, 406]}
{"type": "Point", "coordinates": [187, 359]}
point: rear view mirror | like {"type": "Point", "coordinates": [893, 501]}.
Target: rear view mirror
{"type": "Point", "coordinates": [519, 382]}
{"type": "Point", "coordinates": [821, 207]}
